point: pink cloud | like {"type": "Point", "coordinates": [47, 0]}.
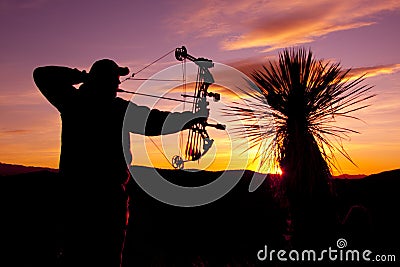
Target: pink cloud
{"type": "Point", "coordinates": [375, 70]}
{"type": "Point", "coordinates": [276, 24]}
{"type": "Point", "coordinates": [13, 132]}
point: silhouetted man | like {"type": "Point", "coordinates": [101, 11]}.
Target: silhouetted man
{"type": "Point", "coordinates": [92, 162]}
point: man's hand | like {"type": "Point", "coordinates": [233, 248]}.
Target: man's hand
{"type": "Point", "coordinates": [198, 117]}
{"type": "Point", "coordinates": [83, 76]}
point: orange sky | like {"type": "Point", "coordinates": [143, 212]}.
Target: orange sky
{"type": "Point", "coordinates": [362, 35]}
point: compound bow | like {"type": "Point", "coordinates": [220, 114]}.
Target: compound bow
{"type": "Point", "coordinates": [198, 140]}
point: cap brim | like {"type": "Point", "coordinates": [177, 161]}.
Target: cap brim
{"type": "Point", "coordinates": [123, 71]}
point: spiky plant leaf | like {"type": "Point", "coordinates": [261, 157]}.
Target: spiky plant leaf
{"type": "Point", "coordinates": [291, 116]}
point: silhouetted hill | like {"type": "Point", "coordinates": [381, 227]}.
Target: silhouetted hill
{"type": "Point", "coordinates": [28, 210]}
{"type": "Point", "coordinates": [379, 194]}
{"type": "Point", "coordinates": [350, 176]}
{"type": "Point", "coordinates": [392, 176]}
{"type": "Point", "coordinates": [12, 169]}
{"type": "Point", "coordinates": [231, 229]}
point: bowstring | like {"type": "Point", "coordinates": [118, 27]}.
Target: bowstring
{"type": "Point", "coordinates": [160, 150]}
{"type": "Point", "coordinates": [140, 70]}
{"type": "Point", "coordinates": [158, 59]}
{"type": "Point", "coordinates": [191, 135]}
{"type": "Point", "coordinates": [148, 65]}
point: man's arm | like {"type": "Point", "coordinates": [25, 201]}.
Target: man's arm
{"type": "Point", "coordinates": [152, 122]}
{"type": "Point", "coordinates": [56, 83]}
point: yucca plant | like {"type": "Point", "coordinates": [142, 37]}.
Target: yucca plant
{"type": "Point", "coordinates": [302, 97]}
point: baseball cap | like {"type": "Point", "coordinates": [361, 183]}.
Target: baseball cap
{"type": "Point", "coordinates": [105, 67]}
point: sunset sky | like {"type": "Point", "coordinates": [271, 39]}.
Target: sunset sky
{"type": "Point", "coordinates": [362, 35]}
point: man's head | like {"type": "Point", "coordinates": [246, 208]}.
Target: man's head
{"type": "Point", "coordinates": [104, 76]}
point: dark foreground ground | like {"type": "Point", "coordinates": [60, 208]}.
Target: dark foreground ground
{"type": "Point", "coordinates": [227, 232]}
